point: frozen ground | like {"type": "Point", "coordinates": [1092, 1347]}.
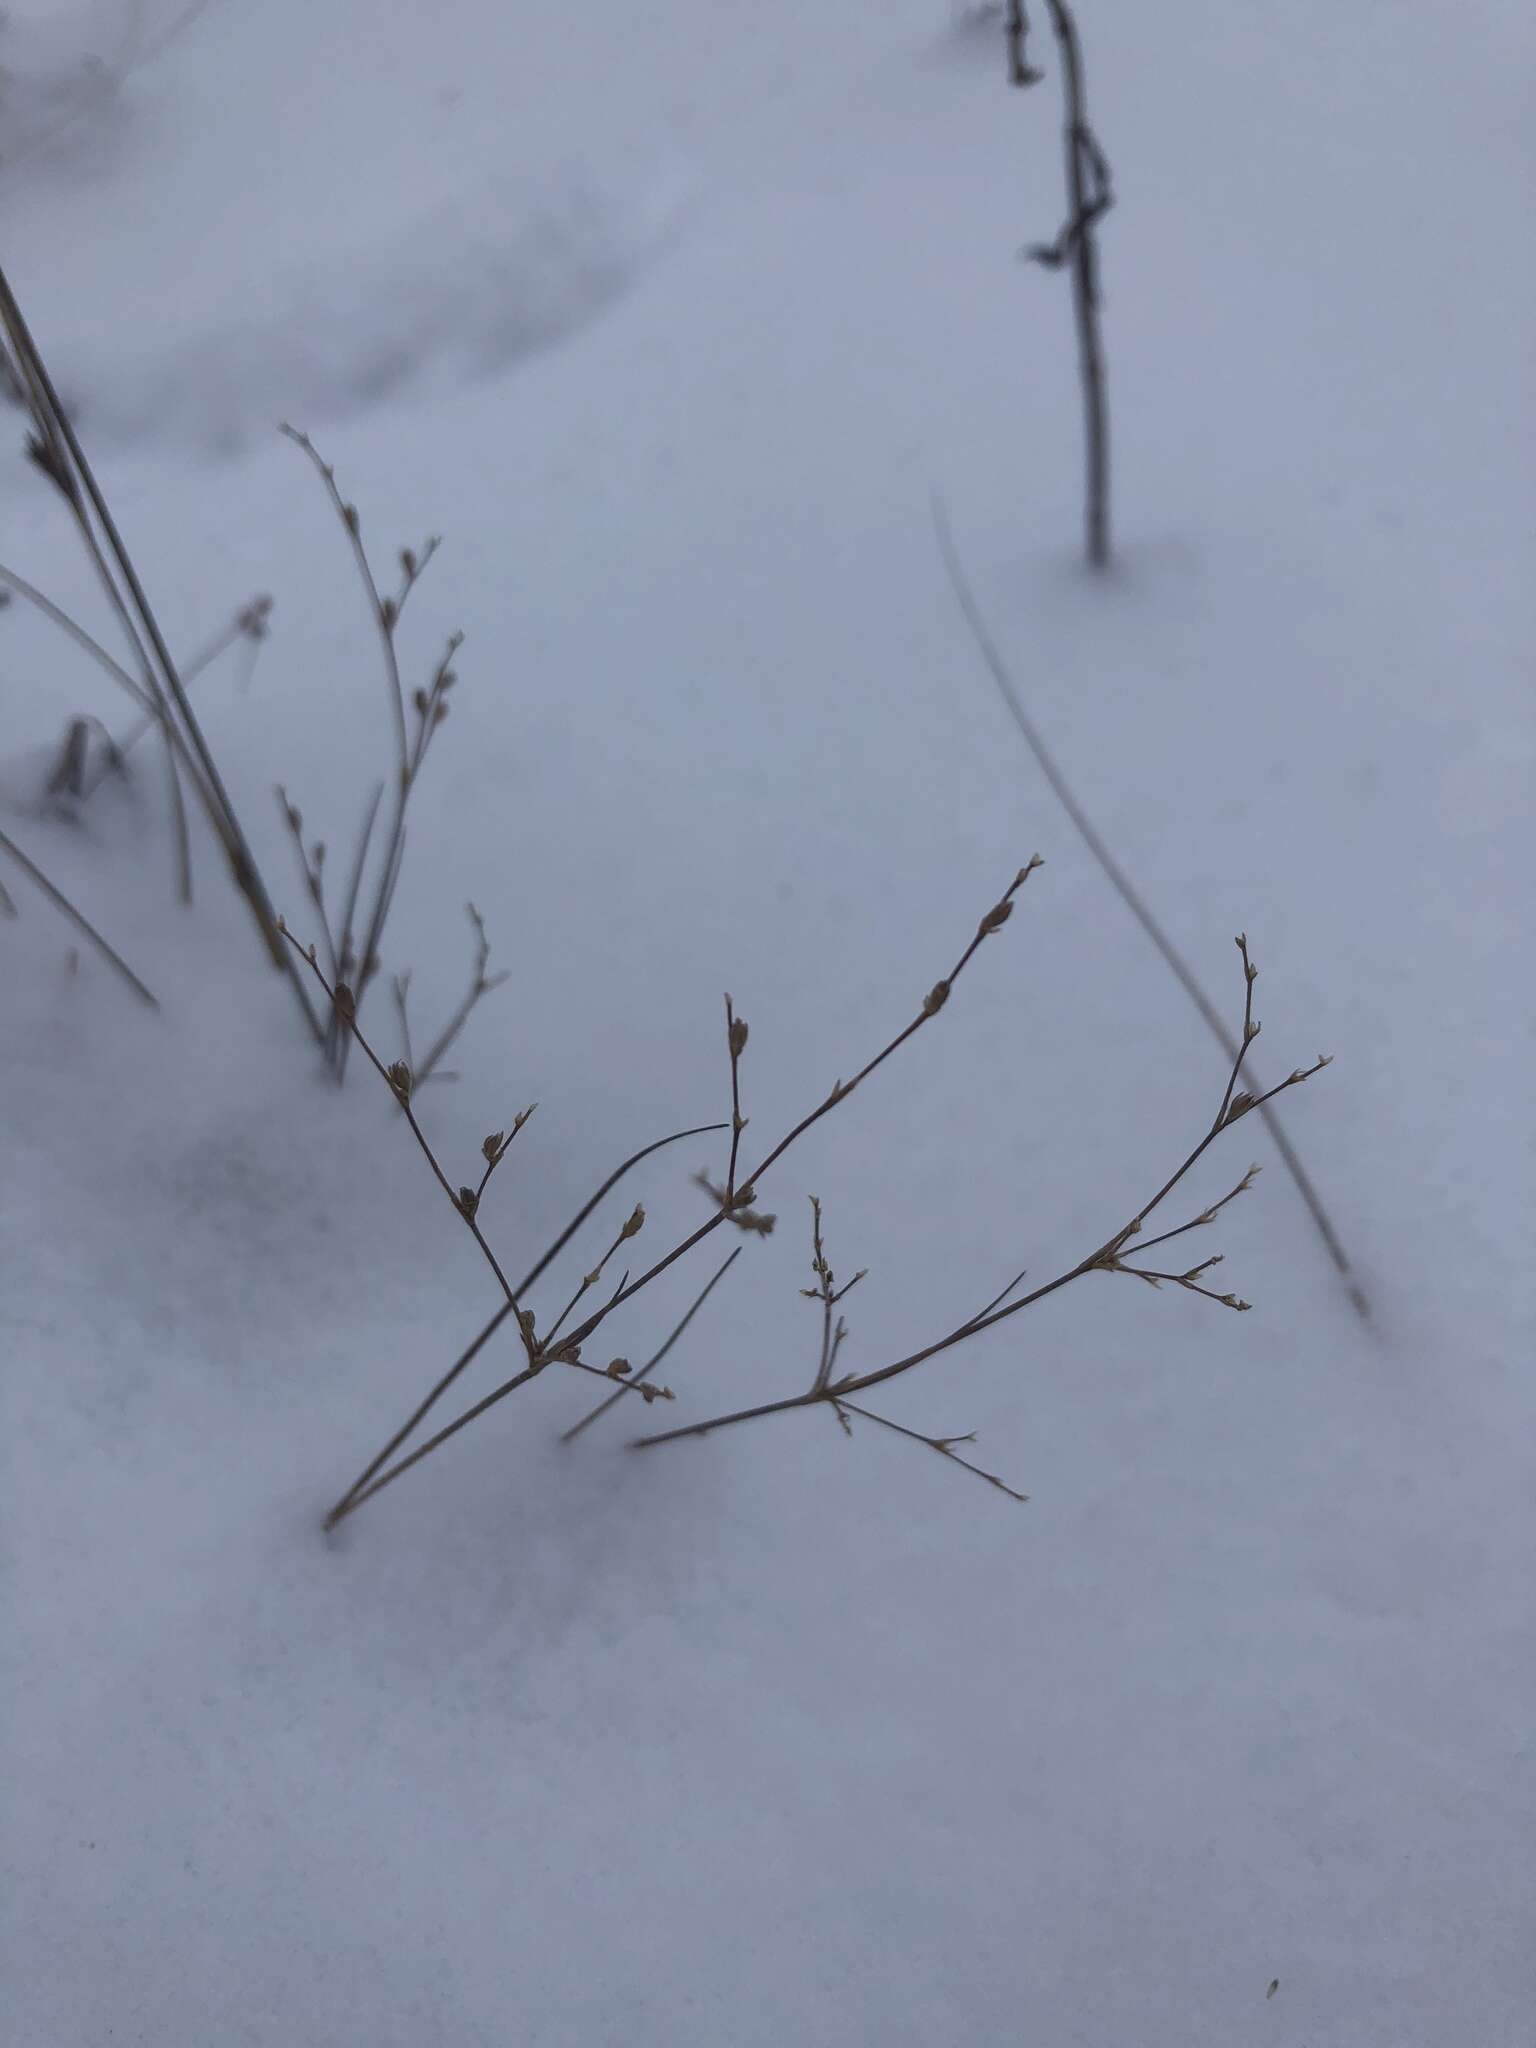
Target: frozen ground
{"type": "Point", "coordinates": [778, 1737]}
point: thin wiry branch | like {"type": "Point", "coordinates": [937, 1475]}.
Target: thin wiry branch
{"type": "Point", "coordinates": [431, 708]}
{"type": "Point", "coordinates": [312, 866]}
{"type": "Point", "coordinates": [354, 886]}
{"type": "Point", "coordinates": [398, 1080]}
{"type": "Point", "coordinates": [736, 1042]}
{"type": "Point", "coordinates": [1131, 896]}
{"type": "Point", "coordinates": [480, 984]}
{"type": "Point", "coordinates": [944, 1445]}
{"type": "Point", "coordinates": [79, 635]}
{"type": "Point", "coordinates": [829, 1294]}
{"type": "Point", "coordinates": [348, 515]}
{"type": "Point", "coordinates": [82, 924]}
{"type": "Point", "coordinates": [640, 1377]}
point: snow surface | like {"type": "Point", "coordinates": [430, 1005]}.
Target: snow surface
{"type": "Point", "coordinates": [671, 325]}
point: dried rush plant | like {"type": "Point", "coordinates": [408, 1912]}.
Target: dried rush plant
{"type": "Point", "coordinates": [734, 1202]}
{"type": "Point", "coordinates": [352, 928]}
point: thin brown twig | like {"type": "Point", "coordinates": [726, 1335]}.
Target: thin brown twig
{"type": "Point", "coordinates": [79, 635]}
{"type": "Point", "coordinates": [480, 984]}
{"type": "Point", "coordinates": [944, 1445]}
{"type": "Point", "coordinates": [354, 886]}
{"type": "Point", "coordinates": [637, 1379]}
{"type": "Point", "coordinates": [631, 1227]}
{"type": "Point", "coordinates": [736, 1041]}
{"type": "Point", "coordinates": [431, 706]}
{"type": "Point", "coordinates": [496, 1146]}
{"type": "Point", "coordinates": [311, 865]}
{"type": "Point", "coordinates": [348, 515]}
{"type": "Point", "coordinates": [398, 1080]}
{"type": "Point", "coordinates": [81, 923]}
{"type": "Point", "coordinates": [829, 1294]}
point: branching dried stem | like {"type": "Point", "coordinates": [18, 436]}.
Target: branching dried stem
{"type": "Point", "coordinates": [944, 1445]}
{"type": "Point", "coordinates": [1133, 899]}
{"type": "Point", "coordinates": [731, 1204]}
{"type": "Point", "coordinates": [1108, 1257]}
{"type": "Point", "coordinates": [736, 1042]}
{"type": "Point", "coordinates": [829, 1295]}
{"type": "Point", "coordinates": [480, 984]}
{"type": "Point", "coordinates": [358, 961]}
{"type": "Point", "coordinates": [398, 1079]}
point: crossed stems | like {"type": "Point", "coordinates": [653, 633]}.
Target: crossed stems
{"type": "Point", "coordinates": [733, 1204]}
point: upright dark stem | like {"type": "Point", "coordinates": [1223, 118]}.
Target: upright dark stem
{"type": "Point", "coordinates": [1080, 152]}
{"type": "Point", "coordinates": [1088, 197]}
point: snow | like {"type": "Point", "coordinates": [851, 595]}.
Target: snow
{"type": "Point", "coordinates": [672, 330]}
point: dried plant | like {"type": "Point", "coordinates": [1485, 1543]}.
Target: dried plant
{"type": "Point", "coordinates": [734, 1200]}
{"type": "Point", "coordinates": [1132, 897]}
{"type": "Point", "coordinates": [353, 940]}
{"type": "Point", "coordinates": [353, 926]}
{"type": "Point", "coordinates": [151, 674]}
{"type": "Point", "coordinates": [1090, 194]}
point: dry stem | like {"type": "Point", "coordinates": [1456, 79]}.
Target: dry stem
{"type": "Point", "coordinates": [1090, 195]}
{"type": "Point", "coordinates": [62, 904]}
{"type": "Point", "coordinates": [1130, 895]}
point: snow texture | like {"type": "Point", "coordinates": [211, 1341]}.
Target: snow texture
{"type": "Point", "coordinates": [672, 324]}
